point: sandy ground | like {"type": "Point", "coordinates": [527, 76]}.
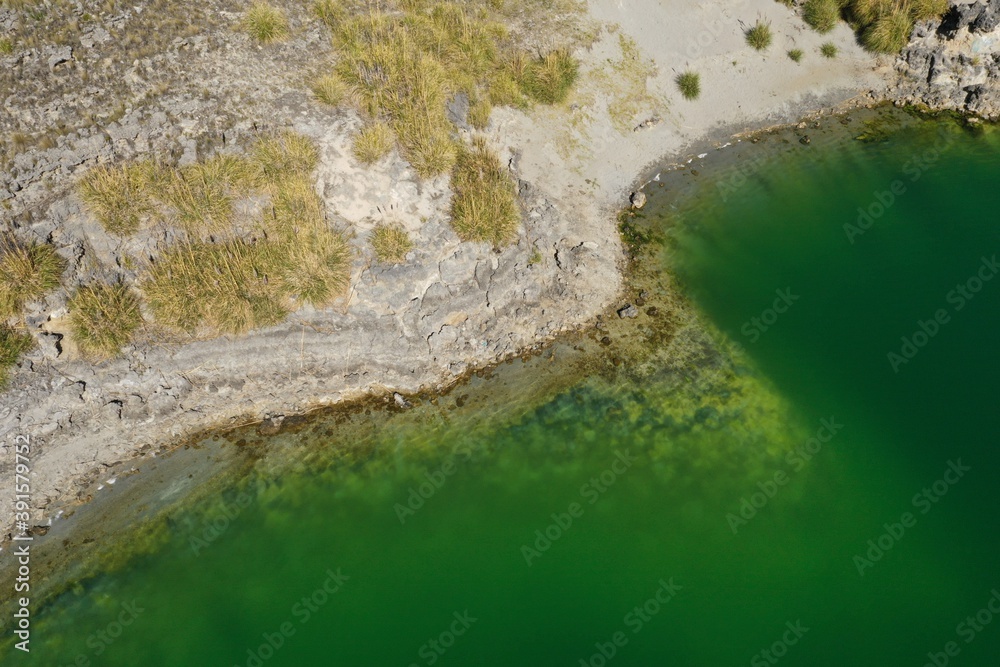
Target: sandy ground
{"type": "Point", "coordinates": [469, 306]}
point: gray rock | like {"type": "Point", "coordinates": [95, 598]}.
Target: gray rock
{"type": "Point", "coordinates": [50, 345]}
{"type": "Point", "coordinates": [988, 18]}
{"type": "Point", "coordinates": [401, 401]}
{"type": "Point", "coordinates": [629, 310]}
{"type": "Point", "coordinates": [638, 199]}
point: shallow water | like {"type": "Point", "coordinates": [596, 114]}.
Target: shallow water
{"type": "Point", "coordinates": [630, 518]}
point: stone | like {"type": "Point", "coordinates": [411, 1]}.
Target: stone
{"type": "Point", "coordinates": [638, 199]}
{"type": "Point", "coordinates": [988, 18]}
{"type": "Point", "coordinates": [629, 310]}
{"type": "Point", "coordinates": [401, 401]}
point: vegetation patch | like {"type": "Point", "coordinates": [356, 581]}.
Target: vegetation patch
{"type": "Point", "coordinates": [390, 243]}
{"type": "Point", "coordinates": [406, 63]}
{"type": "Point", "coordinates": [821, 15]}
{"type": "Point", "coordinates": [27, 272]}
{"type": "Point", "coordinates": [828, 50]}
{"type": "Point", "coordinates": [331, 89]}
{"type": "Point", "coordinates": [265, 23]}
{"type": "Point", "coordinates": [689, 83]}
{"type": "Point", "coordinates": [795, 55]}
{"type": "Point", "coordinates": [373, 143]}
{"type": "Point", "coordinates": [103, 317]}
{"type": "Point", "coordinates": [13, 344]}
{"type": "Point", "coordinates": [119, 196]}
{"type": "Point", "coordinates": [759, 36]}
{"type": "Point", "coordinates": [484, 207]}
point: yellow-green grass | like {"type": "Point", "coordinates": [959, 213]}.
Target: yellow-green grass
{"type": "Point", "coordinates": [759, 35]}
{"type": "Point", "coordinates": [103, 317]}
{"type": "Point", "coordinates": [284, 154]}
{"type": "Point", "coordinates": [373, 143]}
{"type": "Point", "coordinates": [13, 344]}
{"type": "Point", "coordinates": [795, 55]}
{"type": "Point", "coordinates": [331, 89]}
{"type": "Point", "coordinates": [484, 205]}
{"type": "Point", "coordinates": [120, 196]}
{"type": "Point", "coordinates": [27, 272]}
{"type": "Point", "coordinates": [828, 50]}
{"type": "Point", "coordinates": [406, 65]}
{"type": "Point", "coordinates": [330, 12]}
{"type": "Point", "coordinates": [549, 78]}
{"type": "Point", "coordinates": [821, 15]}
{"type": "Point", "coordinates": [265, 23]}
{"type": "Point", "coordinates": [390, 243]}
{"type": "Point", "coordinates": [6, 46]}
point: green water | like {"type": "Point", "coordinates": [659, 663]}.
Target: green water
{"type": "Point", "coordinates": [655, 468]}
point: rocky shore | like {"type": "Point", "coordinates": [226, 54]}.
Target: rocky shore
{"type": "Point", "coordinates": [453, 306]}
{"type": "Point", "coordinates": [953, 63]}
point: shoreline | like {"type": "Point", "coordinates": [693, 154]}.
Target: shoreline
{"type": "Point", "coordinates": [474, 309]}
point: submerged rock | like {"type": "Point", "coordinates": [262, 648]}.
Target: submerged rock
{"type": "Point", "coordinates": [629, 310]}
{"type": "Point", "coordinates": [638, 199]}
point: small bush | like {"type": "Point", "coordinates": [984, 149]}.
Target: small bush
{"type": "Point", "coordinates": [331, 89]}
{"type": "Point", "coordinates": [13, 344]}
{"type": "Point", "coordinates": [689, 84]}
{"type": "Point", "coordinates": [390, 243]}
{"type": "Point", "coordinates": [119, 197]}
{"type": "Point", "coordinates": [27, 273]}
{"type": "Point", "coordinates": [795, 55]}
{"type": "Point", "coordinates": [373, 143]}
{"type": "Point", "coordinates": [759, 36]}
{"type": "Point", "coordinates": [483, 207]}
{"type": "Point", "coordinates": [103, 318]}
{"type": "Point", "coordinates": [549, 79]}
{"type": "Point", "coordinates": [821, 15]}
{"type": "Point", "coordinates": [265, 23]}
{"type": "Point", "coordinates": [828, 50]}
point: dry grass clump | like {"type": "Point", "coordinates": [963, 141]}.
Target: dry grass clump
{"type": "Point", "coordinates": [484, 207]}
{"type": "Point", "coordinates": [828, 50]}
{"type": "Point", "coordinates": [27, 272]}
{"type": "Point", "coordinates": [103, 318]}
{"type": "Point", "coordinates": [227, 287]}
{"type": "Point", "coordinates": [120, 196]}
{"type": "Point", "coordinates": [391, 243]}
{"type": "Point", "coordinates": [6, 46]}
{"type": "Point", "coordinates": [13, 344]}
{"type": "Point", "coordinates": [284, 154]}
{"type": "Point", "coordinates": [265, 23]}
{"type": "Point", "coordinates": [373, 143]}
{"type": "Point", "coordinates": [331, 89]}
{"type": "Point", "coordinates": [406, 65]}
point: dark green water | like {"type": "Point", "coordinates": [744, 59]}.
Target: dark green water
{"type": "Point", "coordinates": [655, 474]}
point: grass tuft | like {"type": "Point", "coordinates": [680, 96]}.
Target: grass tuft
{"type": "Point", "coordinates": [888, 33]}
{"type": "Point", "coordinates": [759, 36]}
{"type": "Point", "coordinates": [373, 143]}
{"type": "Point", "coordinates": [27, 273]}
{"type": "Point", "coordinates": [6, 46]}
{"type": "Point", "coordinates": [689, 84]}
{"type": "Point", "coordinates": [549, 78]}
{"type": "Point", "coordinates": [285, 154]}
{"type": "Point", "coordinates": [330, 12]}
{"type": "Point", "coordinates": [13, 344]}
{"type": "Point", "coordinates": [821, 15]}
{"type": "Point", "coordinates": [484, 207]}
{"type": "Point", "coordinates": [390, 243]}
{"type": "Point", "coordinates": [119, 197]}
{"type": "Point", "coordinates": [795, 55]}
{"type": "Point", "coordinates": [265, 23]}
{"type": "Point", "coordinates": [331, 89]}
{"type": "Point", "coordinates": [103, 318]}
{"type": "Point", "coordinates": [828, 50]}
